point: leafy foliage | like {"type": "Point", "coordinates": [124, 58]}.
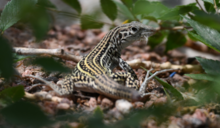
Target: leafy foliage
{"type": "Point", "coordinates": [210, 36]}
{"type": "Point", "coordinates": [11, 95]}
{"type": "Point", "coordinates": [6, 69]}
{"type": "Point", "coordinates": [46, 3]}
{"type": "Point", "coordinates": [39, 20]}
{"type": "Point", "coordinates": [157, 39]}
{"type": "Point", "coordinates": [124, 10]}
{"type": "Point", "coordinates": [206, 29]}
{"type": "Point", "coordinates": [174, 14]}
{"type": "Point", "coordinates": [174, 40]}
{"type": "Point", "coordinates": [49, 64]}
{"type": "Point", "coordinates": [88, 22]}
{"type": "Point", "coordinates": [109, 8]}
{"type": "Point", "coordinates": [24, 114]}
{"type": "Point", "coordinates": [169, 87]}
{"type": "Point", "coordinates": [14, 11]}
{"type": "Point", "coordinates": [74, 4]}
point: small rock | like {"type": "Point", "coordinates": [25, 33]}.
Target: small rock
{"type": "Point", "coordinates": [200, 114]}
{"type": "Point", "coordinates": [148, 104]}
{"type": "Point", "coordinates": [106, 103]}
{"type": "Point", "coordinates": [115, 113]}
{"type": "Point", "coordinates": [123, 106]}
{"type": "Point", "coordinates": [27, 72]}
{"type": "Point", "coordinates": [65, 100]}
{"type": "Point", "coordinates": [42, 95]}
{"type": "Point", "coordinates": [161, 100]}
{"type": "Point", "coordinates": [63, 106]}
{"type": "Point", "coordinates": [138, 104]}
{"type": "Point", "coordinates": [99, 99]}
{"type": "Point", "coordinates": [74, 125]}
{"type": "Point", "coordinates": [92, 102]}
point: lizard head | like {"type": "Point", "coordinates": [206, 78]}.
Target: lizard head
{"type": "Point", "coordinates": [134, 31]}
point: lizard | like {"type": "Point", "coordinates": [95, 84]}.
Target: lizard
{"type": "Point", "coordinates": [93, 73]}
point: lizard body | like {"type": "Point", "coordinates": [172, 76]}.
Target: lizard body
{"type": "Point", "coordinates": [94, 72]}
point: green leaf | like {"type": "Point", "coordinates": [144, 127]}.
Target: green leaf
{"type": "Point", "coordinates": [109, 8]}
{"type": "Point", "coordinates": [39, 20]}
{"type": "Point", "coordinates": [19, 57]}
{"type": "Point", "coordinates": [96, 120]}
{"type": "Point", "coordinates": [210, 36]}
{"type": "Point", "coordinates": [98, 112]}
{"type": "Point", "coordinates": [202, 77]}
{"type": "Point", "coordinates": [169, 87]}
{"type": "Point", "coordinates": [124, 10]}
{"type": "Point", "coordinates": [49, 64]}
{"type": "Point", "coordinates": [74, 4]}
{"type": "Point", "coordinates": [210, 20]}
{"type": "Point", "coordinates": [6, 60]}
{"type": "Point", "coordinates": [156, 39]}
{"type": "Point", "coordinates": [25, 114]}
{"type": "Point", "coordinates": [210, 66]}
{"type": "Point", "coordinates": [174, 13]}
{"type": "Point", "coordinates": [13, 12]}
{"type": "Point", "coordinates": [12, 94]}
{"type": "Point", "coordinates": [46, 3]}
{"type": "Point", "coordinates": [155, 9]}
{"type": "Point", "coordinates": [88, 22]}
{"type": "Point", "coordinates": [128, 3]}
{"type": "Point", "coordinates": [209, 1]}
{"type": "Point", "coordinates": [196, 37]}
{"type": "Point", "coordinates": [209, 7]}
{"type": "Point", "coordinates": [175, 40]}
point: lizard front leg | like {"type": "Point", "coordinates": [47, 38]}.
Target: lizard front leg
{"type": "Point", "coordinates": [125, 77]}
{"type": "Point", "coordinates": [127, 68]}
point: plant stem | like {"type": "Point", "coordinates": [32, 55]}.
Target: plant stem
{"type": "Point", "coordinates": [215, 6]}
{"type": "Point", "coordinates": [200, 5]}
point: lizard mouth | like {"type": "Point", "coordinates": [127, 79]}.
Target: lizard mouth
{"type": "Point", "coordinates": [146, 34]}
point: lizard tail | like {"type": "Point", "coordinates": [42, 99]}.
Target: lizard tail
{"type": "Point", "coordinates": [114, 90]}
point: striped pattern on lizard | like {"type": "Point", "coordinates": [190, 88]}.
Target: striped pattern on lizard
{"type": "Point", "coordinates": [94, 72]}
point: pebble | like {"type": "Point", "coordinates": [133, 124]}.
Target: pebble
{"type": "Point", "coordinates": [138, 104]}
{"type": "Point", "coordinates": [123, 106]}
{"type": "Point", "coordinates": [92, 102]}
{"type": "Point", "coordinates": [63, 106]}
{"type": "Point", "coordinates": [106, 103]}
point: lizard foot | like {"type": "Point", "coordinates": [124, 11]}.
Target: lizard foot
{"type": "Point", "coordinates": [147, 79]}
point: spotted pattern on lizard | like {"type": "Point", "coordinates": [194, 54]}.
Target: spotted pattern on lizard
{"type": "Point", "coordinates": [94, 72]}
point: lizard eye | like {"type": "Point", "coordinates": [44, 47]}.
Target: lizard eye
{"type": "Point", "coordinates": [134, 29]}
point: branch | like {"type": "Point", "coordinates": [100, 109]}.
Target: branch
{"type": "Point", "coordinates": [137, 63]}
{"type": "Point", "coordinates": [53, 52]}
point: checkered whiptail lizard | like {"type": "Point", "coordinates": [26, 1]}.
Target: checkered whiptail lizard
{"type": "Point", "coordinates": [94, 72]}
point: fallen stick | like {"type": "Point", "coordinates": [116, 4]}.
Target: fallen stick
{"type": "Point", "coordinates": [54, 52]}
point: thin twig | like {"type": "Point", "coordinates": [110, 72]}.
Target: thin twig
{"type": "Point", "coordinates": [175, 28]}
{"type": "Point", "coordinates": [42, 96]}
{"type": "Point", "coordinates": [200, 5]}
{"type": "Point", "coordinates": [137, 63]}
{"type": "Point", "coordinates": [215, 6]}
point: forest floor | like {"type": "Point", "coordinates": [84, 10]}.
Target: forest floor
{"type": "Point", "coordinates": [80, 42]}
